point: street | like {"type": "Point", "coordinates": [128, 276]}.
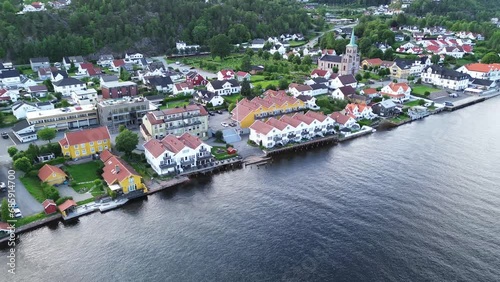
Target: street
{"type": "Point", "coordinates": [27, 204]}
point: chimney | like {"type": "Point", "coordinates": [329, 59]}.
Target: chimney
{"type": "Point", "coordinates": [117, 169]}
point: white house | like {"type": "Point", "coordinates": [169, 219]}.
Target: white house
{"type": "Point", "coordinates": [321, 73]}
{"type": "Point", "coordinates": [68, 84]}
{"type": "Point", "coordinates": [9, 95]}
{"type": "Point", "coordinates": [398, 92]}
{"type": "Point", "coordinates": [134, 57]}
{"type": "Point", "coordinates": [456, 51]}
{"type": "Point", "coordinates": [105, 60]}
{"type": "Point", "coordinates": [263, 134]}
{"type": "Point", "coordinates": [344, 80]}
{"type": "Point", "coordinates": [343, 92]}
{"type": "Point", "coordinates": [117, 64]}
{"type": "Point", "coordinates": [10, 77]}
{"type": "Point", "coordinates": [224, 87]}
{"type": "Point", "coordinates": [225, 75]}
{"type": "Point", "coordinates": [183, 87]}
{"type": "Point", "coordinates": [84, 97]}
{"type": "Point", "coordinates": [300, 89]}
{"type": "Point", "coordinates": [206, 97]}
{"type": "Point", "coordinates": [482, 71]}
{"type": "Point", "coordinates": [360, 111]}
{"type": "Point", "coordinates": [446, 78]}
{"type": "Point", "coordinates": [176, 154]}
{"type": "Point", "coordinates": [241, 76]}
{"type": "Point", "coordinates": [344, 121]}
{"type": "Point", "coordinates": [24, 131]}
{"type": "Point", "coordinates": [257, 43]}
{"type": "Point", "coordinates": [310, 101]}
{"type": "Point", "coordinates": [20, 109]}
{"type": "Point", "coordinates": [76, 60]}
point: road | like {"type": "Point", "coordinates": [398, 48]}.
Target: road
{"type": "Point", "coordinates": [27, 204]}
{"type": "Point", "coordinates": [314, 41]}
{"type": "Point", "coordinates": [184, 68]}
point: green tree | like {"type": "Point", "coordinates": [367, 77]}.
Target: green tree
{"type": "Point", "coordinates": [296, 60]}
{"type": "Point", "coordinates": [435, 59]}
{"type": "Point", "coordinates": [126, 141]}
{"type": "Point", "coordinates": [359, 77]}
{"type": "Point", "coordinates": [335, 69]}
{"type": "Point", "coordinates": [50, 192]}
{"type": "Point", "coordinates": [12, 151]}
{"type": "Point", "coordinates": [266, 55]}
{"type": "Point", "coordinates": [366, 75]}
{"type": "Point", "coordinates": [121, 128]}
{"type": "Point", "coordinates": [246, 91]}
{"type": "Point", "coordinates": [220, 46]}
{"type": "Point", "coordinates": [124, 75]}
{"type": "Point", "coordinates": [58, 95]}
{"type": "Point", "coordinates": [49, 85]}
{"type": "Point", "coordinates": [307, 60]}
{"type": "Point", "coordinates": [63, 104]}
{"type": "Point", "coordinates": [276, 56]}
{"type": "Point", "coordinates": [490, 58]}
{"type": "Point", "coordinates": [23, 164]}
{"type": "Point", "coordinates": [249, 52]}
{"type": "Point", "coordinates": [283, 84]}
{"type": "Point", "coordinates": [46, 134]}
{"type": "Point", "coordinates": [231, 107]}
{"type": "Point", "coordinates": [2, 118]}
{"type": "Point", "coordinates": [421, 102]}
{"type": "Point", "coordinates": [218, 135]}
{"type": "Point", "coordinates": [5, 213]}
{"type": "Point", "coordinates": [246, 63]}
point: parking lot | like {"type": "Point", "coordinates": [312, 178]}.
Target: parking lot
{"type": "Point", "coordinates": [215, 121]}
{"type": "Point", "coordinates": [443, 96]}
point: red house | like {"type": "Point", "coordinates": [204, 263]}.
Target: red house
{"type": "Point", "coordinates": [195, 78]}
{"type": "Point", "coordinates": [116, 89]}
{"type": "Point", "coordinates": [49, 206]}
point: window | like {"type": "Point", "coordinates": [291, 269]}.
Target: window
{"type": "Point", "coordinates": [66, 147]}
{"type": "Point", "coordinates": [99, 142]}
{"type": "Point", "coordinates": [100, 148]}
{"type": "Point", "coordinates": [105, 147]}
{"type": "Point", "coordinates": [82, 145]}
{"type": "Point", "coordinates": [84, 152]}
{"type": "Point", "coordinates": [76, 146]}
{"type": "Point", "coordinates": [77, 152]}
{"type": "Point", "coordinates": [91, 143]}
{"type": "Point", "coordinates": [92, 150]}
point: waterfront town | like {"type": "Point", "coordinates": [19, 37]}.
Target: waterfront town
{"type": "Point", "coordinates": [125, 127]}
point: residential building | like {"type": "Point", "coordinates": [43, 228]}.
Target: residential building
{"type": "Point", "coordinates": [310, 101]}
{"type": "Point", "coordinates": [183, 88]}
{"type": "Point", "coordinates": [113, 90]}
{"type": "Point", "coordinates": [257, 43]}
{"type": "Point", "coordinates": [46, 73]}
{"type": "Point", "coordinates": [104, 79]}
{"type": "Point", "coordinates": [403, 68]}
{"type": "Point", "coordinates": [57, 75]}
{"type": "Point", "coordinates": [191, 119]}
{"type": "Point", "coordinates": [263, 134]}
{"type": "Point", "coordinates": [49, 206]}
{"type": "Point", "coordinates": [360, 111]}
{"type": "Point", "coordinates": [24, 131]}
{"type": "Point", "coordinates": [52, 175]}
{"type": "Point", "coordinates": [321, 73]}
{"type": "Point", "coordinates": [225, 75]}
{"type": "Point", "coordinates": [84, 97]}
{"type": "Point", "coordinates": [67, 207]}
{"type": "Point", "coordinates": [224, 87]}
{"type": "Point", "coordinates": [256, 70]}
{"type": "Point", "coordinates": [319, 89]}
{"type": "Point", "coordinates": [105, 60]}
{"type": "Point", "coordinates": [38, 91]}
{"type": "Point", "coordinates": [9, 95]}
{"type": "Point", "coordinates": [274, 103]}
{"type": "Point", "coordinates": [344, 80]}
{"type": "Point", "coordinates": [116, 65]}
{"type": "Point", "coordinates": [398, 92]}
{"type": "Point", "coordinates": [347, 63]}
{"type": "Point", "coordinates": [21, 108]}
{"type": "Point", "coordinates": [482, 71]}
{"type": "Point", "coordinates": [446, 78]}
{"type": "Point", "coordinates": [385, 108]}
{"type": "Point", "coordinates": [483, 84]}
{"type": "Point", "coordinates": [124, 111]}
{"type": "Point", "coordinates": [344, 121]}
{"type": "Point", "coordinates": [64, 118]}
{"type": "Point", "coordinates": [37, 63]}
{"type": "Point", "coordinates": [120, 177]}
{"type": "Point", "coordinates": [160, 83]}
{"type": "Point", "coordinates": [205, 97]}
{"type": "Point", "coordinates": [241, 76]}
{"type": "Point", "coordinates": [75, 60]}
{"type": "Point", "coordinates": [195, 78]}
{"type": "Point", "coordinates": [300, 89]}
{"type": "Point", "coordinates": [175, 154]}
{"type": "Point", "coordinates": [10, 77]}
{"type": "Point", "coordinates": [370, 92]}
{"type": "Point", "coordinates": [181, 45]}
{"type": "Point", "coordinates": [85, 143]}
{"type": "Point", "coordinates": [66, 85]}
{"type": "Point", "coordinates": [343, 92]}
{"type": "Point", "coordinates": [375, 62]}
{"type": "Point", "coordinates": [134, 57]}
{"type": "Point", "coordinates": [88, 69]}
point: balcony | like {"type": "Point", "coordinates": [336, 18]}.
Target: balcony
{"type": "Point", "coordinates": [317, 129]}
{"type": "Point", "coordinates": [304, 132]}
{"type": "Point", "coordinates": [277, 138]}
{"type": "Point", "coordinates": [292, 135]}
{"type": "Point", "coordinates": [187, 162]}
{"type": "Point", "coordinates": [182, 116]}
{"type": "Point", "coordinates": [205, 156]}
{"type": "Point", "coordinates": [167, 165]}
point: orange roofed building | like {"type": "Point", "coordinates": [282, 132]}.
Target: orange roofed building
{"type": "Point", "coordinates": [274, 103]}
{"type": "Point", "coordinates": [52, 175]}
{"type": "Point", "coordinates": [85, 143]}
{"type": "Point", "coordinates": [121, 177]}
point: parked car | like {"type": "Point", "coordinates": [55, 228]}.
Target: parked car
{"type": "Point", "coordinates": [177, 63]}
{"type": "Point", "coordinates": [232, 124]}
{"type": "Point", "coordinates": [211, 113]}
{"type": "Point", "coordinates": [5, 135]}
{"type": "Point", "coordinates": [3, 187]}
{"type": "Point", "coordinates": [448, 104]}
{"type": "Point", "coordinates": [224, 124]}
{"type": "Point", "coordinates": [192, 68]}
{"type": "Point", "coordinates": [219, 112]}
{"type": "Point", "coordinates": [453, 95]}
{"type": "Point", "coordinates": [17, 213]}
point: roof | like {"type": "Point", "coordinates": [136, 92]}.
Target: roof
{"type": "Point", "coordinates": [300, 87]}
{"type": "Point", "coordinates": [217, 84]}
{"type": "Point", "coordinates": [306, 119]}
{"type": "Point", "coordinates": [483, 82]}
{"type": "Point", "coordinates": [20, 125]}
{"type": "Point", "coordinates": [227, 74]}
{"type": "Point", "coordinates": [183, 85]}
{"type": "Point", "coordinates": [347, 90]}
{"type": "Point", "coordinates": [315, 115]}
{"type": "Point", "coordinates": [277, 123]}
{"type": "Point", "coordinates": [478, 67]}
{"type": "Point", "coordinates": [388, 103]}
{"type": "Point", "coordinates": [395, 86]}
{"type": "Point", "coordinates": [38, 88]}
{"type": "Point", "coordinates": [403, 63]}
{"type": "Point", "coordinates": [374, 61]}
{"type": "Point", "coordinates": [39, 60]}
{"type": "Point", "coordinates": [115, 169]}
{"type": "Point", "coordinates": [9, 73]}
{"type": "Point", "coordinates": [85, 136]}
{"type": "Point", "coordinates": [242, 73]}
{"type": "Point", "coordinates": [55, 72]}
{"type": "Point", "coordinates": [320, 80]}
{"type": "Point", "coordinates": [118, 63]}
{"type": "Point", "coordinates": [66, 205]}
{"type": "Point", "coordinates": [347, 79]}
{"type": "Point", "coordinates": [68, 81]}
{"type": "Point", "coordinates": [47, 170]}
{"type": "Point", "coordinates": [172, 144]}
{"type": "Point", "coordinates": [369, 91]}
{"type": "Point", "coordinates": [113, 84]}
{"type": "Point", "coordinates": [261, 127]}
{"type": "Point", "coordinates": [331, 58]}
{"type": "Point", "coordinates": [447, 73]}
{"type": "Point", "coordinates": [319, 72]}
{"type": "Point", "coordinates": [105, 155]}
{"type": "Point", "coordinates": [318, 86]}
{"type": "Point", "coordinates": [47, 203]}
{"type": "Point", "coordinates": [291, 121]}
{"type": "Point", "coordinates": [109, 78]}
{"type": "Point", "coordinates": [340, 118]}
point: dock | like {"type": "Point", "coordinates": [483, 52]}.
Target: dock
{"type": "Point", "coordinates": [218, 166]}
{"type": "Point", "coordinates": [367, 130]}
{"type": "Point", "coordinates": [162, 185]}
{"type": "Point", "coordinates": [471, 101]}
{"type": "Point", "coordinates": [256, 160]}
{"type": "Point", "coordinates": [82, 210]}
{"type": "Point", "coordinates": [317, 142]}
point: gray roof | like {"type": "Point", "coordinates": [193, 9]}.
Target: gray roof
{"type": "Point", "coordinates": [320, 80]}
{"type": "Point", "coordinates": [9, 73]}
{"type": "Point", "coordinates": [388, 103]}
{"type": "Point", "coordinates": [106, 57]}
{"type": "Point", "coordinates": [447, 73]}
{"type": "Point", "coordinates": [68, 81]}
{"type": "Point", "coordinates": [155, 98]}
{"type": "Point", "coordinates": [483, 82]}
{"type": "Point", "coordinates": [74, 59]}
{"type": "Point", "coordinates": [38, 88]}
{"type": "Point", "coordinates": [43, 104]}
{"type": "Point", "coordinates": [18, 104]}
{"type": "Point", "coordinates": [347, 90]}
{"type": "Point", "coordinates": [217, 84]}
{"type": "Point", "coordinates": [22, 124]}
{"type": "Point", "coordinates": [258, 41]}
{"type": "Point", "coordinates": [404, 63]}
{"type": "Point", "coordinates": [162, 81]}
{"type": "Point", "coordinates": [206, 95]}
{"type": "Point", "coordinates": [109, 78]}
{"type": "Point", "coordinates": [331, 58]}
{"type": "Point", "coordinates": [347, 79]}
{"type": "Point", "coordinates": [318, 86]}
{"type": "Point", "coordinates": [61, 72]}
{"type": "Point", "coordinates": [39, 60]}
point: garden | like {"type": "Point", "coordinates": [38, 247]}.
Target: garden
{"type": "Point", "coordinates": [85, 177]}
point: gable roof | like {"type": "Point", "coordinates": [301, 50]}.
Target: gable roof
{"type": "Point", "coordinates": [47, 170]}
{"type": "Point", "coordinates": [261, 127]}
{"type": "Point", "coordinates": [66, 205]}
{"type": "Point", "coordinates": [39, 60]}
{"type": "Point", "coordinates": [300, 87]}
{"type": "Point", "coordinates": [163, 81]}
{"type": "Point", "coordinates": [347, 90]}
{"type": "Point", "coordinates": [374, 62]}
{"type": "Point", "coordinates": [347, 79]}
{"type": "Point", "coordinates": [277, 123]}
{"type": "Point", "coordinates": [319, 72]}
{"type": "Point", "coordinates": [85, 136]}
{"type": "Point", "coordinates": [315, 115]}
{"type": "Point", "coordinates": [47, 203]}
{"type": "Point", "coordinates": [172, 144]}
{"type": "Point", "coordinates": [369, 91]}
{"type": "Point", "coordinates": [340, 118]}
{"type": "Point", "coordinates": [68, 81]}
{"type": "Point", "coordinates": [115, 169]}
{"type": "Point", "coordinates": [217, 84]}
{"type": "Point", "coordinates": [331, 58]}
{"type": "Point", "coordinates": [37, 88]}
{"type": "Point", "coordinates": [479, 67]}
{"type": "Point", "coordinates": [9, 73]}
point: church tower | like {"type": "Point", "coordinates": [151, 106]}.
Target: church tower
{"type": "Point", "coordinates": [351, 58]}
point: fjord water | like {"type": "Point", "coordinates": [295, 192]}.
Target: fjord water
{"type": "Point", "coordinates": [417, 203]}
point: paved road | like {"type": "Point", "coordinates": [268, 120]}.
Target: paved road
{"type": "Point", "coordinates": [314, 41]}
{"type": "Point", "coordinates": [27, 204]}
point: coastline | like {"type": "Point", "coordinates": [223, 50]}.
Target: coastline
{"type": "Point", "coordinates": [249, 160]}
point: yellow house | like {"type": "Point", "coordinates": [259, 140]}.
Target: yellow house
{"type": "Point", "coordinates": [52, 175]}
{"type": "Point", "coordinates": [84, 143]}
{"type": "Point", "coordinates": [274, 103]}
{"type": "Point", "coordinates": [120, 176]}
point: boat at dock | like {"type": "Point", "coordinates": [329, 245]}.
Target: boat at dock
{"type": "Point", "coordinates": [104, 207]}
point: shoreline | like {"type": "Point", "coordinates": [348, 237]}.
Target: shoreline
{"type": "Point", "coordinates": [249, 160]}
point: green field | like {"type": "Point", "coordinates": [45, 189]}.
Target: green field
{"type": "Point", "coordinates": [174, 104]}
{"type": "Point", "coordinates": [33, 186]}
{"type": "Point", "coordinates": [8, 120]}
{"type": "Point", "coordinates": [412, 103]}
{"type": "Point", "coordinates": [84, 172]}
{"type": "Point", "coordinates": [297, 43]}
{"type": "Point", "coordinates": [223, 153]}
{"type": "Point", "coordinates": [266, 83]}
{"type": "Point", "coordinates": [233, 98]}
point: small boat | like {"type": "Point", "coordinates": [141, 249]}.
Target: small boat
{"type": "Point", "coordinates": [112, 205]}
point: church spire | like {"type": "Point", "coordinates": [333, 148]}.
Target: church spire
{"type": "Point", "coordinates": [353, 39]}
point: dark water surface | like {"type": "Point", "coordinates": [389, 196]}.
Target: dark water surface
{"type": "Point", "coordinates": [420, 203]}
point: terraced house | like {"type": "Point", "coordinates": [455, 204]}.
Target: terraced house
{"type": "Point", "coordinates": [191, 119]}
{"type": "Point", "coordinates": [85, 143]}
{"type": "Point", "coordinates": [274, 103]}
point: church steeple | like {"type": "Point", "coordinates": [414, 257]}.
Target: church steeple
{"type": "Point", "coordinates": [353, 39]}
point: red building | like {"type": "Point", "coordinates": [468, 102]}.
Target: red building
{"type": "Point", "coordinates": [49, 206]}
{"type": "Point", "coordinates": [116, 89]}
{"type": "Point", "coordinates": [195, 78]}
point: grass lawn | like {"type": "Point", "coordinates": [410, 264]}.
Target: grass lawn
{"type": "Point", "coordinates": [85, 201]}
{"type": "Point", "coordinates": [412, 103]}
{"type": "Point", "coordinates": [9, 120]}
{"type": "Point", "coordinates": [222, 155]}
{"type": "Point", "coordinates": [232, 98]}
{"type": "Point", "coordinates": [29, 219]}
{"type": "Point", "coordinates": [421, 89]}
{"type": "Point", "coordinates": [84, 172]}
{"type": "Point", "coordinates": [297, 43]}
{"type": "Point", "coordinates": [400, 118]}
{"type": "Point", "coordinates": [266, 83]}
{"type": "Point", "coordinates": [139, 166]}
{"type": "Point", "coordinates": [257, 77]}
{"type": "Point", "coordinates": [33, 185]}
{"type": "Point", "coordinates": [174, 104]}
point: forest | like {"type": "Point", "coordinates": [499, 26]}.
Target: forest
{"type": "Point", "coordinates": [149, 26]}
{"type": "Point", "coordinates": [457, 10]}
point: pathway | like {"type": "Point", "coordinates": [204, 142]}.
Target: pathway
{"type": "Point", "coordinates": [67, 191]}
{"type": "Point", "coordinates": [27, 204]}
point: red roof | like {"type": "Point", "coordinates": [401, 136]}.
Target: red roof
{"type": "Point", "coordinates": [172, 144]}
{"type": "Point", "coordinates": [340, 118]}
{"type": "Point", "coordinates": [118, 63]}
{"type": "Point", "coordinates": [4, 226]}
{"type": "Point", "coordinates": [300, 87]}
{"type": "Point", "coordinates": [115, 170]}
{"type": "Point", "coordinates": [183, 85]}
{"type": "Point", "coordinates": [277, 123]}
{"type": "Point", "coordinates": [66, 205]}
{"type": "Point", "coordinates": [374, 62]}
{"type": "Point", "coordinates": [478, 67]}
{"type": "Point", "coordinates": [306, 119]}
{"type": "Point", "coordinates": [227, 74]}
{"type": "Point", "coordinates": [48, 203]}
{"type": "Point", "coordinates": [291, 121]}
{"type": "Point", "coordinates": [105, 155]}
{"type": "Point", "coordinates": [315, 115]}
{"type": "Point", "coordinates": [85, 136]}
{"type": "Point", "coordinates": [369, 91]}
{"type": "Point", "coordinates": [319, 72]}
{"type": "Point", "coordinates": [47, 170]}
{"type": "Point", "coordinates": [261, 127]}
{"type": "Point", "coordinates": [242, 73]}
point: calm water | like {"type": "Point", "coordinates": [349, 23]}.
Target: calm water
{"type": "Point", "coordinates": [420, 203]}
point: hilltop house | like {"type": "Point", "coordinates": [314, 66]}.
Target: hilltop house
{"type": "Point", "coordinates": [37, 63]}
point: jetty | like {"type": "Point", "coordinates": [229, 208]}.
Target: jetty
{"type": "Point", "coordinates": [257, 160]}
{"type": "Point", "coordinates": [162, 185]}
{"type": "Point", "coordinates": [317, 142]}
